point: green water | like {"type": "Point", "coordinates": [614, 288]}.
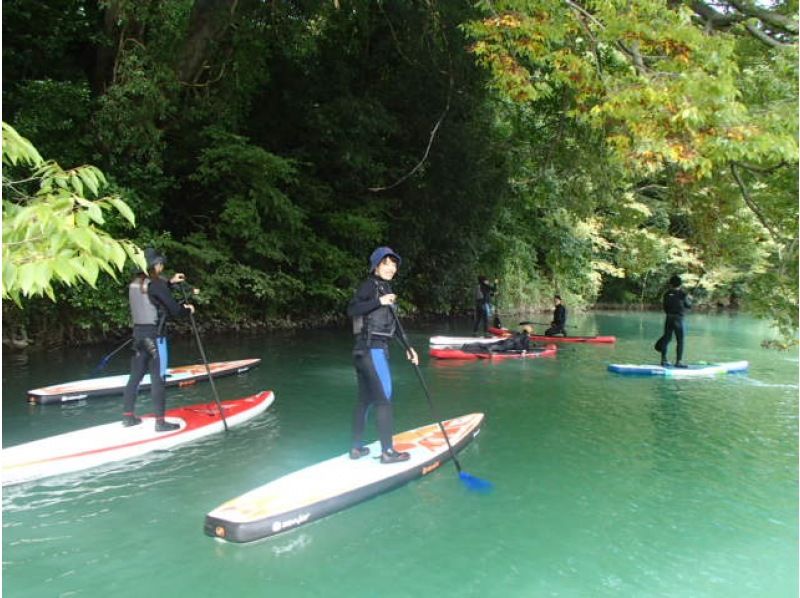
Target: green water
{"type": "Point", "coordinates": [604, 485]}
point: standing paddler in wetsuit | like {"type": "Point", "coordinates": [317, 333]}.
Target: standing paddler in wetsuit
{"type": "Point", "coordinates": [675, 302]}
{"type": "Point", "coordinates": [151, 304]}
{"type": "Point", "coordinates": [484, 291]}
{"type": "Point", "coordinates": [374, 326]}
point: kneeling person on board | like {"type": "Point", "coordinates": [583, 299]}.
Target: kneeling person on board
{"type": "Point", "coordinates": [374, 325]}
{"type": "Point", "coordinates": [675, 302]}
{"type": "Point", "coordinates": [557, 326]}
{"type": "Point", "coordinates": [151, 304]}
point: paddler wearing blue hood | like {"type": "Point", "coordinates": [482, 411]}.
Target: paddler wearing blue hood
{"type": "Point", "coordinates": [151, 304]}
{"type": "Point", "coordinates": [374, 325]}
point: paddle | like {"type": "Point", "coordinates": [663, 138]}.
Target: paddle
{"type": "Point", "coordinates": [469, 480]}
{"type": "Point", "coordinates": [205, 361]}
{"type": "Point", "coordinates": [104, 362]}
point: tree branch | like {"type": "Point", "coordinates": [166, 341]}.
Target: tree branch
{"type": "Point", "coordinates": [771, 18]}
{"type": "Point", "coordinates": [751, 204]}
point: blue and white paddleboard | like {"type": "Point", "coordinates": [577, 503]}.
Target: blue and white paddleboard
{"type": "Point", "coordinates": [692, 371]}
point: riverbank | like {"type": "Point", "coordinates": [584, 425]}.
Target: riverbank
{"type": "Point", "coordinates": [16, 338]}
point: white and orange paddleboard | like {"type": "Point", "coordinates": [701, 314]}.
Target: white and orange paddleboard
{"type": "Point", "coordinates": [111, 385]}
{"type": "Point", "coordinates": [319, 490]}
{"type": "Point", "coordinates": [99, 445]}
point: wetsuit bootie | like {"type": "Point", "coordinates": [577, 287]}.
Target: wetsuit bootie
{"type": "Point", "coordinates": [680, 364]}
{"type": "Point", "coordinates": [358, 452]}
{"type": "Point", "coordinates": [129, 419]}
{"type": "Point", "coordinates": [165, 426]}
{"type": "Point", "coordinates": [392, 456]}
{"type": "Point", "coordinates": [664, 363]}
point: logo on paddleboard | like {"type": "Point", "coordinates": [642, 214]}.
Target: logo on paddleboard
{"type": "Point", "coordinates": [72, 397]}
{"type": "Point", "coordinates": [294, 521]}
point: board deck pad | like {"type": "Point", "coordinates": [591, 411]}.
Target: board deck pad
{"type": "Point", "coordinates": [313, 492]}
{"type": "Point", "coordinates": [112, 385]}
{"type": "Point", "coordinates": [698, 370]}
{"type": "Point", "coordinates": [98, 445]}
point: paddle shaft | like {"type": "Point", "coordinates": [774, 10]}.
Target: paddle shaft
{"type": "Point", "coordinates": [205, 361]}
{"type": "Point", "coordinates": [104, 361]}
{"type": "Point", "coordinates": [427, 393]}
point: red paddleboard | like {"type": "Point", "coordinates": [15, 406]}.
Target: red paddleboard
{"type": "Point", "coordinates": [548, 351]}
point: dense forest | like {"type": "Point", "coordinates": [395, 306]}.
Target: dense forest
{"type": "Point", "coordinates": [590, 148]}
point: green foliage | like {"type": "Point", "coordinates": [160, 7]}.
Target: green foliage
{"type": "Point", "coordinates": [590, 149]}
{"type": "Point", "coordinates": [51, 231]}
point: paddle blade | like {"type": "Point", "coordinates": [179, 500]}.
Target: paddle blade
{"type": "Point", "coordinates": [473, 483]}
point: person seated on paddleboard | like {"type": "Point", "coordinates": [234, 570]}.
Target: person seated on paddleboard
{"type": "Point", "coordinates": [557, 326]}
{"type": "Point", "coordinates": [483, 303]}
{"type": "Point", "coordinates": [151, 303]}
{"type": "Point", "coordinates": [519, 341]}
{"type": "Point", "coordinates": [676, 300]}
{"type": "Point", "coordinates": [374, 325]}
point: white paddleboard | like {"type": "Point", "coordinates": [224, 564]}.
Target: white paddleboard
{"type": "Point", "coordinates": [319, 490]}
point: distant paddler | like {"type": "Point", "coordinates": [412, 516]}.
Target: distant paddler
{"type": "Point", "coordinates": [675, 302]}
{"type": "Point", "coordinates": [559, 323]}
{"type": "Point", "coordinates": [518, 341]}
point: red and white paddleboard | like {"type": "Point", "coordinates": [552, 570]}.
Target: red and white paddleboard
{"type": "Point", "coordinates": [110, 385]}
{"type": "Point", "coordinates": [98, 445]}
{"type": "Point", "coordinates": [548, 351]}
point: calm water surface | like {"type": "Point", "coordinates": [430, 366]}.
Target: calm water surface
{"type": "Point", "coordinates": [604, 485]}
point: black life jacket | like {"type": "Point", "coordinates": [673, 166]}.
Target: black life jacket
{"type": "Point", "coordinates": [674, 302]}
{"type": "Point", "coordinates": [379, 323]}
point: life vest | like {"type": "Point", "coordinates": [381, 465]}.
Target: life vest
{"type": "Point", "coordinates": [378, 323]}
{"type": "Point", "coordinates": [143, 311]}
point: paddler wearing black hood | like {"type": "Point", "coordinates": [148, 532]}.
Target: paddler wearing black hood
{"type": "Point", "coordinates": [675, 302]}
{"type": "Point", "coordinates": [151, 304]}
{"type": "Point", "coordinates": [374, 325]}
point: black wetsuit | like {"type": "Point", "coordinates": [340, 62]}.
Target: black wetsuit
{"type": "Point", "coordinates": [675, 302]}
{"type": "Point", "coordinates": [483, 305]}
{"type": "Point", "coordinates": [559, 322]}
{"type": "Point", "coordinates": [146, 357]}
{"type": "Point", "coordinates": [374, 326]}
{"type": "Point", "coordinates": [520, 341]}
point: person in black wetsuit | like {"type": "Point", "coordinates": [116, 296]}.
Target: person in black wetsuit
{"type": "Point", "coordinates": [484, 293]}
{"type": "Point", "coordinates": [519, 341]}
{"type": "Point", "coordinates": [374, 325]}
{"type": "Point", "coordinates": [557, 326]}
{"type": "Point", "coordinates": [675, 302]}
{"type": "Point", "coordinates": [151, 304]}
